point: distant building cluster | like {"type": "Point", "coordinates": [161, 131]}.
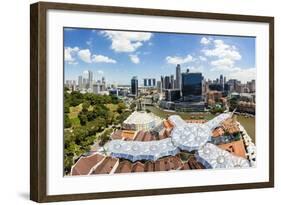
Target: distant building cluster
{"type": "Point", "coordinates": [185, 91]}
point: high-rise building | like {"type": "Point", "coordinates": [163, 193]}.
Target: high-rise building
{"type": "Point", "coordinates": [159, 86]}
{"type": "Point", "coordinates": [192, 86]}
{"type": "Point", "coordinates": [80, 82]}
{"type": "Point", "coordinates": [178, 77]}
{"type": "Point", "coordinates": [134, 86]}
{"type": "Point", "coordinates": [172, 82]}
{"type": "Point", "coordinates": [145, 82]}
{"type": "Point", "coordinates": [167, 82]}
{"type": "Point", "coordinates": [87, 79]}
{"type": "Point", "coordinates": [162, 82]}
{"type": "Point", "coordinates": [221, 79]}
{"type": "Point", "coordinates": [172, 94]}
{"type": "Point", "coordinates": [149, 82]}
{"type": "Point", "coordinates": [153, 82]}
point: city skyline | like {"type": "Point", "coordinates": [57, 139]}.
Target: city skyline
{"type": "Point", "coordinates": [119, 55]}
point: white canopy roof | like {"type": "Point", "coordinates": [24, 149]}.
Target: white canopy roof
{"type": "Point", "coordinates": [212, 156]}
{"type": "Point", "coordinates": [141, 150]}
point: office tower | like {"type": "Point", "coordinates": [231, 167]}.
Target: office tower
{"type": "Point", "coordinates": [172, 82]}
{"type": "Point", "coordinates": [159, 86]}
{"type": "Point", "coordinates": [149, 82]}
{"type": "Point", "coordinates": [178, 77]}
{"type": "Point", "coordinates": [172, 94]}
{"type": "Point", "coordinates": [162, 82]}
{"type": "Point", "coordinates": [167, 82]}
{"type": "Point", "coordinates": [145, 82]}
{"type": "Point", "coordinates": [221, 79]}
{"type": "Point", "coordinates": [134, 86]}
{"type": "Point", "coordinates": [192, 86]}
{"type": "Point", "coordinates": [80, 82]}
{"type": "Point", "coordinates": [88, 79]}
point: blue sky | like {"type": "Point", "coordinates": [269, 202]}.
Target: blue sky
{"type": "Point", "coordinates": [119, 55]}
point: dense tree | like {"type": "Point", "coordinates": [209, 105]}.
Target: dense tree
{"type": "Point", "coordinates": [121, 106]}
{"type": "Point", "coordinates": [67, 123]}
{"type": "Point", "coordinates": [233, 103]}
{"type": "Point", "coordinates": [83, 117]}
{"type": "Point", "coordinates": [94, 117]}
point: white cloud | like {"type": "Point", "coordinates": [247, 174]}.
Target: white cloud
{"type": "Point", "coordinates": [243, 75]}
{"type": "Point", "coordinates": [222, 50]}
{"type": "Point", "coordinates": [223, 55]}
{"type": "Point", "coordinates": [135, 59]}
{"type": "Point", "coordinates": [85, 55]}
{"type": "Point", "coordinates": [202, 58]}
{"type": "Point", "coordinates": [224, 63]}
{"type": "Point", "coordinates": [205, 41]}
{"type": "Point", "coordinates": [102, 59]}
{"type": "Point", "coordinates": [122, 41]}
{"type": "Point", "coordinates": [69, 54]}
{"type": "Point", "coordinates": [179, 60]}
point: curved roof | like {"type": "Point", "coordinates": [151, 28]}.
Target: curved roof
{"type": "Point", "coordinates": [212, 156]}
{"type": "Point", "coordinates": [141, 150]}
{"type": "Point", "coordinates": [141, 118]}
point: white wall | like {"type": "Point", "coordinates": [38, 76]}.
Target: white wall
{"type": "Point", "coordinates": [14, 101]}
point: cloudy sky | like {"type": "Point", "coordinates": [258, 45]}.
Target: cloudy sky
{"type": "Point", "coordinates": [119, 55]}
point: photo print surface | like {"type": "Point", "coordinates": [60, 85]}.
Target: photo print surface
{"type": "Point", "coordinates": [138, 101]}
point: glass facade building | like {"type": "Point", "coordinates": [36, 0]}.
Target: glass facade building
{"type": "Point", "coordinates": [192, 86]}
{"type": "Point", "coordinates": [134, 86]}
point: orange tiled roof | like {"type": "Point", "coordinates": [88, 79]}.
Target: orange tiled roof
{"type": "Point", "coordinates": [236, 147]}
{"type": "Point", "coordinates": [218, 132]}
{"type": "Point", "coordinates": [85, 164]}
{"type": "Point", "coordinates": [106, 166]}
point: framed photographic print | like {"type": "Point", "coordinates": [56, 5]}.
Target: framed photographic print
{"type": "Point", "coordinates": [134, 102]}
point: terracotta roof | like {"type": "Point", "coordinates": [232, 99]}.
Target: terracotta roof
{"type": "Point", "coordinates": [116, 135]}
{"type": "Point", "coordinates": [167, 163]}
{"type": "Point", "coordinates": [236, 147]}
{"type": "Point", "coordinates": [128, 134]}
{"type": "Point", "coordinates": [107, 166]}
{"type": "Point", "coordinates": [138, 167]}
{"type": "Point", "coordinates": [124, 167]}
{"type": "Point", "coordinates": [148, 137]}
{"type": "Point", "coordinates": [149, 166]}
{"type": "Point", "coordinates": [194, 164]}
{"type": "Point", "coordinates": [196, 121]}
{"type": "Point", "coordinates": [167, 124]}
{"type": "Point", "coordinates": [139, 136]}
{"type": "Point", "coordinates": [85, 164]}
{"type": "Point", "coordinates": [185, 166]}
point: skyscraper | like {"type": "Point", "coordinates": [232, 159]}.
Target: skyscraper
{"type": "Point", "coordinates": [221, 79]}
{"type": "Point", "coordinates": [172, 82]}
{"type": "Point", "coordinates": [162, 82]}
{"type": "Point", "coordinates": [134, 86]}
{"type": "Point", "coordinates": [192, 86]}
{"type": "Point", "coordinates": [178, 77]}
{"type": "Point", "coordinates": [88, 79]}
{"type": "Point", "coordinates": [167, 82]}
{"type": "Point", "coordinates": [80, 82]}
{"type": "Point", "coordinates": [145, 82]}
{"type": "Point", "coordinates": [153, 82]}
